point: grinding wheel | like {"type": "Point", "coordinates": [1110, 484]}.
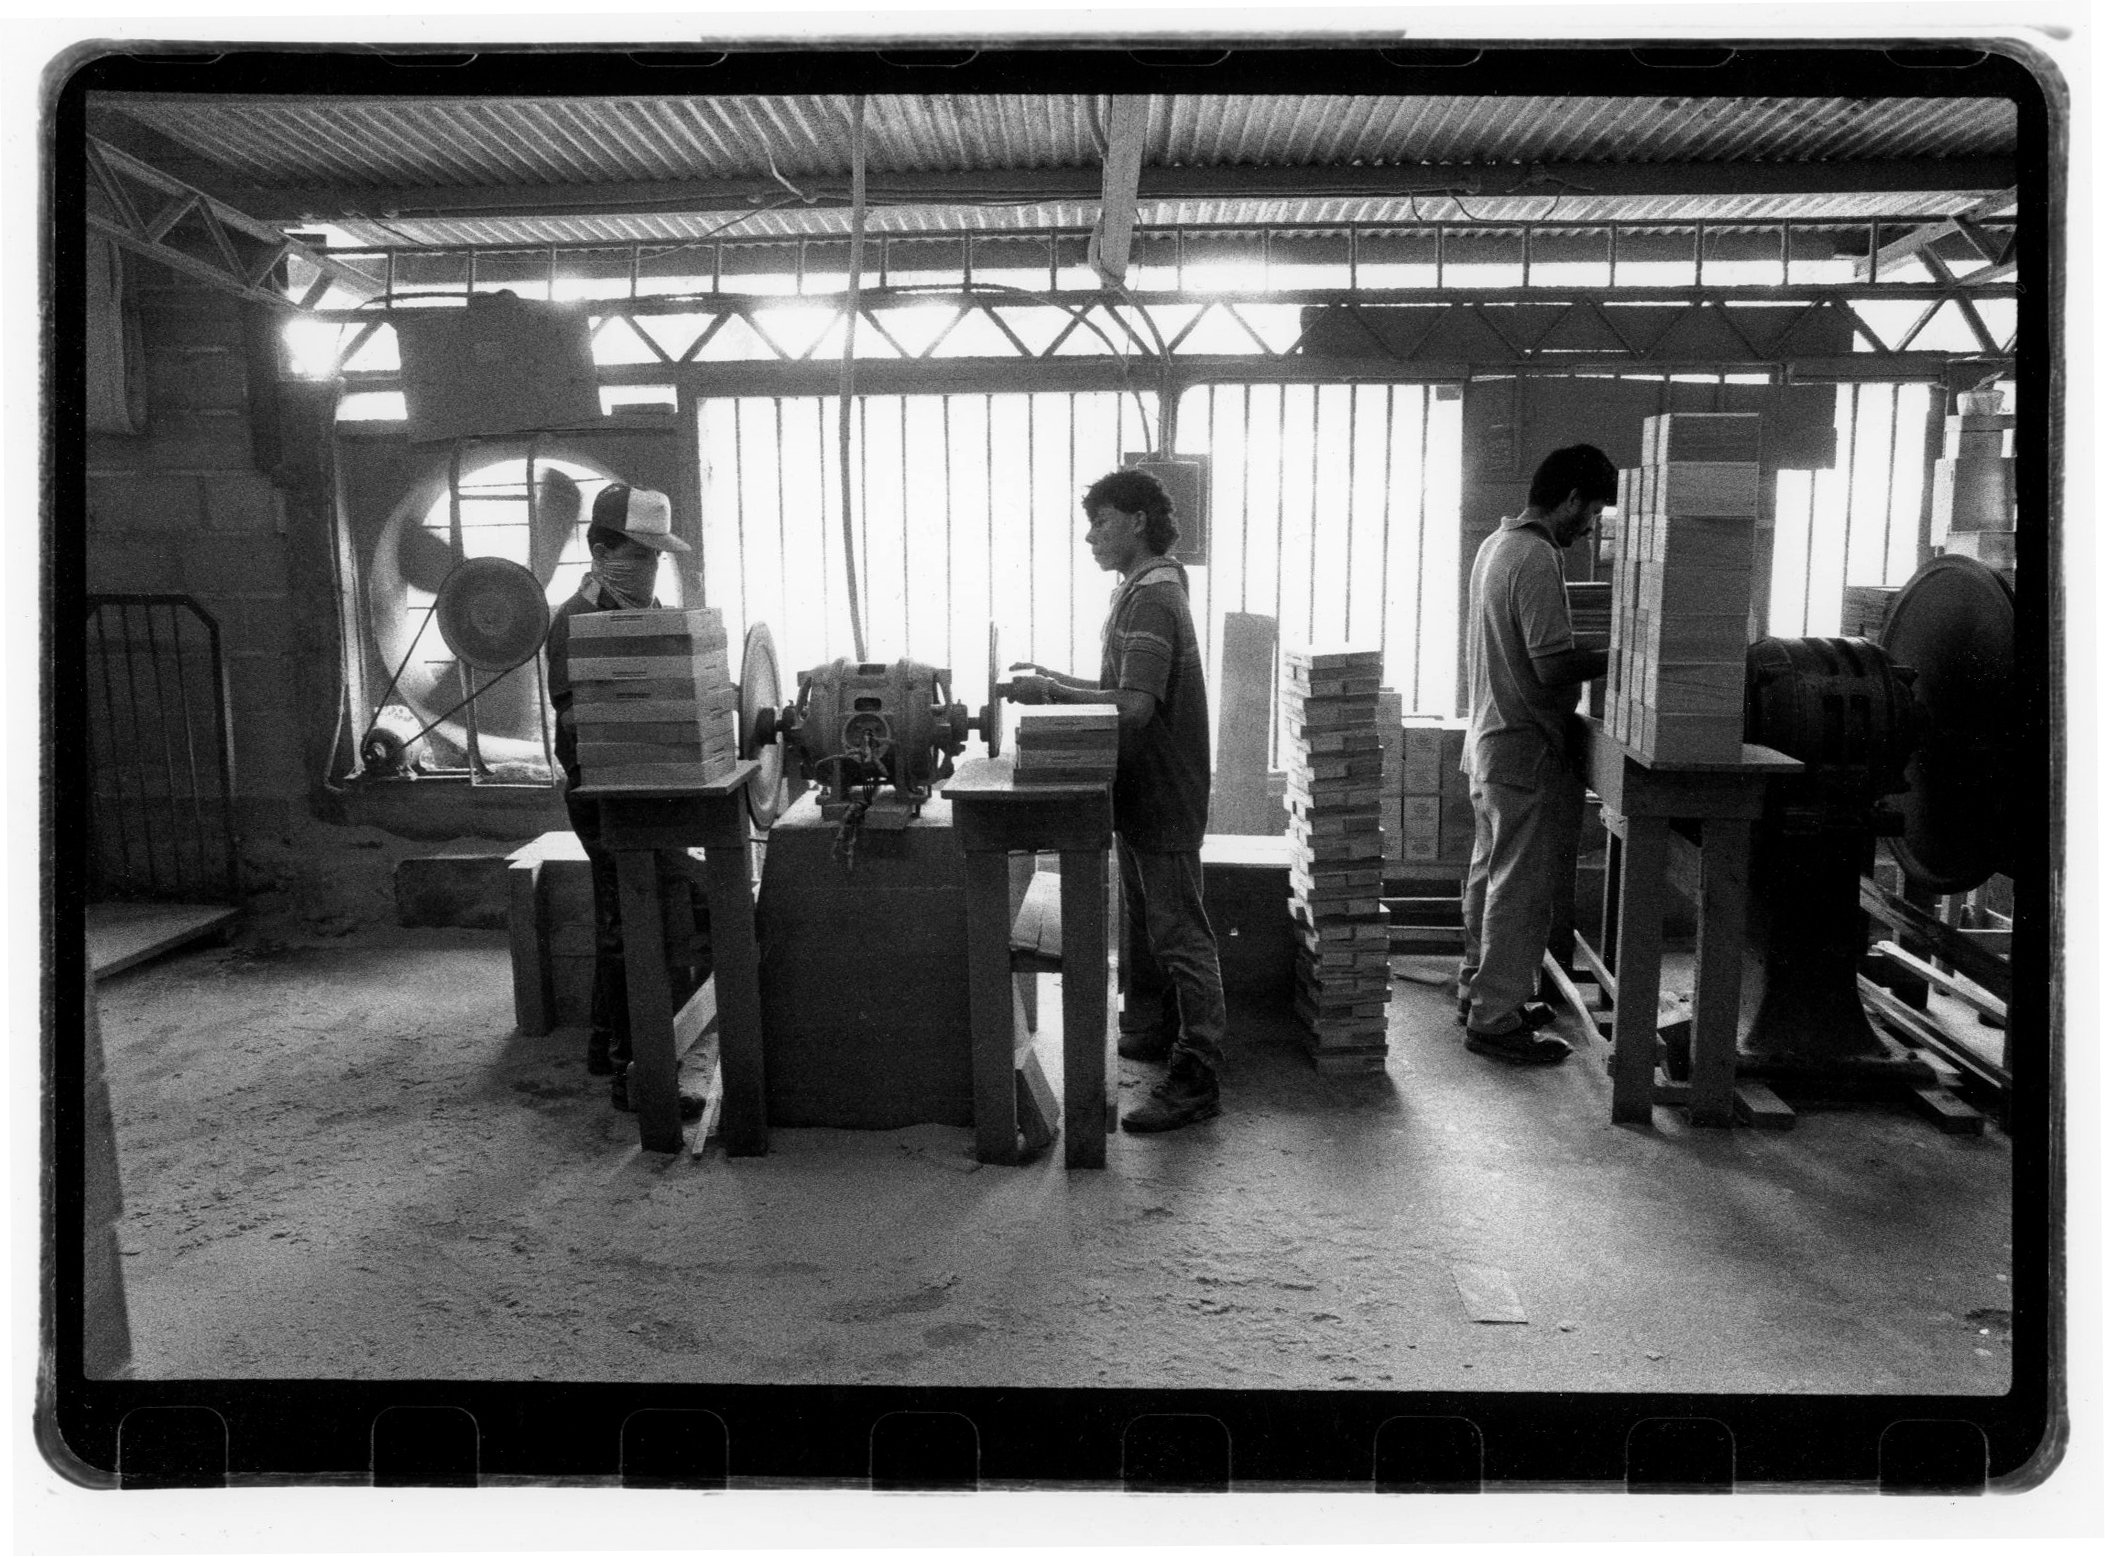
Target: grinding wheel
{"type": "Point", "coordinates": [759, 695]}
{"type": "Point", "coordinates": [990, 711]}
{"type": "Point", "coordinates": [492, 613]}
{"type": "Point", "coordinates": [1955, 626]}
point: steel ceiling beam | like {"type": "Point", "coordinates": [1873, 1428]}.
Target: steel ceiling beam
{"type": "Point", "coordinates": [146, 210]}
{"type": "Point", "coordinates": [1032, 186]}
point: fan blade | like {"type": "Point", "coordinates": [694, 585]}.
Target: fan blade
{"type": "Point", "coordinates": [426, 559]}
{"type": "Point", "coordinates": [557, 504]}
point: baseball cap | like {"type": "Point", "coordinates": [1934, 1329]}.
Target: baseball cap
{"type": "Point", "coordinates": [638, 513]}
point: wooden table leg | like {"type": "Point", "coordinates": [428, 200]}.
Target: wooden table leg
{"type": "Point", "coordinates": [654, 1085]}
{"type": "Point", "coordinates": [1085, 1006]}
{"type": "Point", "coordinates": [992, 1005]}
{"type": "Point", "coordinates": [736, 951]}
{"type": "Point", "coordinates": [1637, 967]}
{"type": "Point", "coordinates": [1721, 922]}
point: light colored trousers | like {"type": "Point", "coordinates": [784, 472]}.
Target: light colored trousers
{"type": "Point", "coordinates": [1526, 838]}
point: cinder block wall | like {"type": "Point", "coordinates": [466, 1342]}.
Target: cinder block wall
{"type": "Point", "coordinates": [188, 507]}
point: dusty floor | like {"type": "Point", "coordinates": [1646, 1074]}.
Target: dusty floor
{"type": "Point", "coordinates": [339, 1160]}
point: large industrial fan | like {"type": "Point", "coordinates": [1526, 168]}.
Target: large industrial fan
{"type": "Point", "coordinates": [492, 615]}
{"type": "Point", "coordinates": [1910, 738]}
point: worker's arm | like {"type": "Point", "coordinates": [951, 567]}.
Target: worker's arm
{"type": "Point", "coordinates": [1135, 709]}
{"type": "Point", "coordinates": [1569, 668]}
{"type": "Point", "coordinates": [1058, 676]}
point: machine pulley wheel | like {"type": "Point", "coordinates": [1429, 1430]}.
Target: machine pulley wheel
{"type": "Point", "coordinates": [760, 694]}
{"type": "Point", "coordinates": [1955, 626]}
{"type": "Point", "coordinates": [492, 613]}
{"type": "Point", "coordinates": [382, 753]}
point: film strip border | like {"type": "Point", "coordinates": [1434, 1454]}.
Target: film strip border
{"type": "Point", "coordinates": [435, 1435]}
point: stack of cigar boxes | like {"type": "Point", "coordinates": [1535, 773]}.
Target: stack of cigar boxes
{"type": "Point", "coordinates": [1683, 588]}
{"type": "Point", "coordinates": [1439, 828]}
{"type": "Point", "coordinates": [652, 696]}
{"type": "Point", "coordinates": [1973, 504]}
{"type": "Point", "coordinates": [1333, 749]}
{"type": "Point", "coordinates": [1076, 743]}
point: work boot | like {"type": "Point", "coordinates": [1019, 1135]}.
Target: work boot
{"type": "Point", "coordinates": [1147, 1048]}
{"type": "Point", "coordinates": [1188, 1094]}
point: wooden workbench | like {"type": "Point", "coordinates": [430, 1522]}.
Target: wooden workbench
{"type": "Point", "coordinates": [635, 822]}
{"type": "Point", "coordinates": [1716, 805]}
{"type": "Point", "coordinates": [995, 817]}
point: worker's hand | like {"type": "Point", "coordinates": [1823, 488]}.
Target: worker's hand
{"type": "Point", "coordinates": [1033, 667]}
{"type": "Point", "coordinates": [1031, 689]}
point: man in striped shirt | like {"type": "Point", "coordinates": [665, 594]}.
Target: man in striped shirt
{"type": "Point", "coordinates": [1170, 971]}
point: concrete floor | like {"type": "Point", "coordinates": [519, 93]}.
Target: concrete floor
{"type": "Point", "coordinates": [339, 1160]}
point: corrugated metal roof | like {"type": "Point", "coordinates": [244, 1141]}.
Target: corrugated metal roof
{"type": "Point", "coordinates": [798, 222]}
{"type": "Point", "coordinates": [433, 142]}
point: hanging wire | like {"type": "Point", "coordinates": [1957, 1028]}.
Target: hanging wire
{"type": "Point", "coordinates": [847, 381]}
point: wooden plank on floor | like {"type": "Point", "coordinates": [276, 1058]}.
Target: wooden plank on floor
{"type": "Point", "coordinates": [1755, 1104]}
{"type": "Point", "coordinates": [1947, 1112]}
{"type": "Point", "coordinates": [123, 935]}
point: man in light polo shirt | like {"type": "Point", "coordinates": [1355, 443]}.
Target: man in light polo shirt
{"type": "Point", "coordinates": [1524, 678]}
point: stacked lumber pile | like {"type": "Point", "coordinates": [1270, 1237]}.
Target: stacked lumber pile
{"type": "Point", "coordinates": [1074, 743]}
{"type": "Point", "coordinates": [1683, 587]}
{"type": "Point", "coordinates": [652, 696]}
{"type": "Point", "coordinates": [1973, 496]}
{"type": "Point", "coordinates": [1329, 707]}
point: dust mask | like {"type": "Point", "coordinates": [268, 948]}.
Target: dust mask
{"type": "Point", "coordinates": [632, 580]}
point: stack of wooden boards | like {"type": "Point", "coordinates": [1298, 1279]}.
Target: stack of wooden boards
{"type": "Point", "coordinates": [1592, 606]}
{"type": "Point", "coordinates": [1864, 608]}
{"type": "Point", "coordinates": [1076, 743]}
{"type": "Point", "coordinates": [1329, 708]}
{"type": "Point", "coordinates": [652, 696]}
{"type": "Point", "coordinates": [1973, 503]}
{"type": "Point", "coordinates": [1683, 589]}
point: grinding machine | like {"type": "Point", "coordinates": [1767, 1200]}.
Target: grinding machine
{"type": "Point", "coordinates": [1911, 738]}
{"type": "Point", "coordinates": [865, 1013]}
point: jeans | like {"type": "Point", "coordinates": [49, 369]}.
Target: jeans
{"type": "Point", "coordinates": [1169, 970]}
{"type": "Point", "coordinates": [610, 984]}
{"type": "Point", "coordinates": [1525, 835]}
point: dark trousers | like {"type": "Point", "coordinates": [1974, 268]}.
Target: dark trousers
{"type": "Point", "coordinates": [686, 959]}
{"type": "Point", "coordinates": [1169, 970]}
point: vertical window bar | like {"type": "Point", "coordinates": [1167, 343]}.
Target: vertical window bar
{"type": "Point", "coordinates": [1244, 598]}
{"type": "Point", "coordinates": [1074, 478]}
{"type": "Point", "coordinates": [1425, 434]}
{"type": "Point", "coordinates": [906, 540]}
{"type": "Point", "coordinates": [1388, 481]}
{"type": "Point", "coordinates": [1278, 538]}
{"type": "Point", "coordinates": [1615, 233]}
{"type": "Point", "coordinates": [987, 413]}
{"type": "Point", "coordinates": [1030, 519]}
{"type": "Point", "coordinates": [738, 506]}
{"type": "Point", "coordinates": [949, 523]}
{"type": "Point", "coordinates": [1885, 551]}
{"type": "Point", "coordinates": [1315, 449]}
{"type": "Point", "coordinates": [781, 603]}
{"type": "Point", "coordinates": [862, 503]}
{"type": "Point", "coordinates": [819, 438]}
{"type": "Point", "coordinates": [1352, 416]}
{"type": "Point", "coordinates": [1849, 488]}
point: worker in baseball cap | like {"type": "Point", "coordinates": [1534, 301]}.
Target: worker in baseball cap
{"type": "Point", "coordinates": [631, 529]}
